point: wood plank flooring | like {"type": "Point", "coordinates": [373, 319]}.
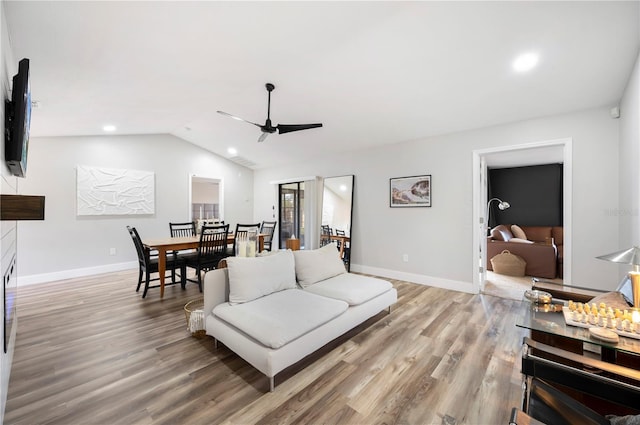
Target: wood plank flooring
{"type": "Point", "coordinates": [91, 351]}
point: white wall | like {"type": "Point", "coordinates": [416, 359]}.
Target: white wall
{"type": "Point", "coordinates": [66, 245]}
{"type": "Point", "coordinates": [629, 210]}
{"type": "Point", "coordinates": [7, 228]}
{"type": "Point", "coordinates": [438, 240]}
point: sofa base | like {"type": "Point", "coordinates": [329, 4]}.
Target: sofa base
{"type": "Point", "coordinates": [270, 361]}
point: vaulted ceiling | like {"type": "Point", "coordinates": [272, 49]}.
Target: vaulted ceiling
{"type": "Point", "coordinates": [372, 72]}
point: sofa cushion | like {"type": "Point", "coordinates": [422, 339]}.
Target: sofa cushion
{"type": "Point", "coordinates": [501, 233]}
{"type": "Point", "coordinates": [352, 288]}
{"type": "Point", "coordinates": [538, 233]}
{"type": "Point", "coordinates": [281, 317]}
{"type": "Point", "coordinates": [318, 264]}
{"type": "Point", "coordinates": [518, 232]}
{"type": "Point", "coordinates": [518, 240]}
{"type": "Point", "coordinates": [255, 277]}
{"type": "Point", "coordinates": [558, 234]}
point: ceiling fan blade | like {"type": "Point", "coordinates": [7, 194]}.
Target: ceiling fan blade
{"type": "Point", "coordinates": [238, 118]}
{"type": "Point", "coordinates": [263, 136]}
{"type": "Point", "coordinates": [288, 128]}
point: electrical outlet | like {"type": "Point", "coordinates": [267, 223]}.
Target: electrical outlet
{"type": "Point", "coordinates": [405, 258]}
{"type": "Point", "coordinates": [112, 251]}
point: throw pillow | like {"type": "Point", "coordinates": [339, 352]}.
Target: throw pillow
{"type": "Point", "coordinates": [518, 232]}
{"type": "Point", "coordinates": [254, 277]}
{"type": "Point", "coordinates": [501, 233]}
{"type": "Point", "coordinates": [318, 264]}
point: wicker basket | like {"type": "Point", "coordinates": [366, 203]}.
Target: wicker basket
{"type": "Point", "coordinates": [508, 264]}
{"type": "Point", "coordinates": [190, 307]}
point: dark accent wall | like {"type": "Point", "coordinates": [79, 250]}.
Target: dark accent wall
{"type": "Point", "coordinates": [534, 192]}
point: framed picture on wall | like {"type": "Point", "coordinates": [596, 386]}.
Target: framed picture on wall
{"type": "Point", "coordinates": [413, 191]}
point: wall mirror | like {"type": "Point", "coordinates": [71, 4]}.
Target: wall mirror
{"type": "Point", "coordinates": [337, 207]}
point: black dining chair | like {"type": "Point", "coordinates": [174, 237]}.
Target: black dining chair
{"type": "Point", "coordinates": [267, 229]}
{"type": "Point", "coordinates": [325, 233]}
{"type": "Point", "coordinates": [148, 264]}
{"type": "Point", "coordinates": [182, 229]}
{"type": "Point", "coordinates": [211, 249]}
{"type": "Point", "coordinates": [242, 230]}
{"type": "Point", "coordinates": [178, 230]}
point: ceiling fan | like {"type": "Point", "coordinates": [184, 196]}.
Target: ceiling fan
{"type": "Point", "coordinates": [268, 128]}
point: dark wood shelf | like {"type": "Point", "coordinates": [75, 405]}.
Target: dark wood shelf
{"type": "Point", "coordinates": [21, 207]}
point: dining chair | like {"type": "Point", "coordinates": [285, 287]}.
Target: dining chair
{"type": "Point", "coordinates": [182, 229]}
{"type": "Point", "coordinates": [325, 232]}
{"type": "Point", "coordinates": [242, 230]}
{"type": "Point", "coordinates": [211, 249]}
{"type": "Point", "coordinates": [178, 230]}
{"type": "Point", "coordinates": [268, 229]}
{"type": "Point", "coordinates": [148, 264]}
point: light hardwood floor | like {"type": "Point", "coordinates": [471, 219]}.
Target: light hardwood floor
{"type": "Point", "coordinates": [91, 351]}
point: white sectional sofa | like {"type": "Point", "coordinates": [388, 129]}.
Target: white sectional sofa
{"type": "Point", "coordinates": [274, 310]}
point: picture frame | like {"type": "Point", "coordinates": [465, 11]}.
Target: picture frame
{"type": "Point", "coordinates": [412, 191]}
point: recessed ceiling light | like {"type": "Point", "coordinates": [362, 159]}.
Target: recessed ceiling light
{"type": "Point", "coordinates": [343, 187]}
{"type": "Point", "coordinates": [232, 151]}
{"type": "Point", "coordinates": [525, 62]}
{"type": "Point", "coordinates": [109, 127]}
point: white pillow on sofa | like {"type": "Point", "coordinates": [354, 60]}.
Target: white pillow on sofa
{"type": "Point", "coordinates": [254, 277]}
{"type": "Point", "coordinates": [518, 232]}
{"type": "Point", "coordinates": [318, 264]}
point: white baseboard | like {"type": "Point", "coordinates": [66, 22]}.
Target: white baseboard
{"type": "Point", "coordinates": [420, 279]}
{"type": "Point", "coordinates": [69, 274]}
{"type": "Point", "coordinates": [438, 282]}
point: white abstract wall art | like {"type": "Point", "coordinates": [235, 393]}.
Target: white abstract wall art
{"type": "Point", "coordinates": [109, 191]}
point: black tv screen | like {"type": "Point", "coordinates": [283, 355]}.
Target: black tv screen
{"type": "Point", "coordinates": [18, 121]}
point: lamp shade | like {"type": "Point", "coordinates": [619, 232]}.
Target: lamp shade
{"type": "Point", "coordinates": [628, 256]}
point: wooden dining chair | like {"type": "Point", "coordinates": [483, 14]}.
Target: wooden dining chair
{"type": "Point", "coordinates": [268, 229]}
{"type": "Point", "coordinates": [242, 230]}
{"type": "Point", "coordinates": [148, 264]}
{"type": "Point", "coordinates": [211, 249]}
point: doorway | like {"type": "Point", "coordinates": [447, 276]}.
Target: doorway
{"type": "Point", "coordinates": [516, 156]}
{"type": "Point", "coordinates": [291, 212]}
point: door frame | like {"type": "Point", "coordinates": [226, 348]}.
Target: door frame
{"type": "Point", "coordinates": [479, 260]}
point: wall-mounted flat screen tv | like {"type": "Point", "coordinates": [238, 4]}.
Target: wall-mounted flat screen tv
{"type": "Point", "coordinates": [17, 122]}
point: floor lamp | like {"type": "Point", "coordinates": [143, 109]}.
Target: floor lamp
{"type": "Point", "coordinates": [502, 205]}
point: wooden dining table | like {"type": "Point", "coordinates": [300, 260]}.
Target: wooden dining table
{"type": "Point", "coordinates": [342, 240]}
{"type": "Point", "coordinates": [164, 245]}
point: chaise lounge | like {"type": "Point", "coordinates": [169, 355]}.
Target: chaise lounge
{"type": "Point", "coordinates": [274, 310]}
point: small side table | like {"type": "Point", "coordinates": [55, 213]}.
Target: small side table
{"type": "Point", "coordinates": [293, 244]}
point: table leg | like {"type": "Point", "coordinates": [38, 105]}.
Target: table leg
{"type": "Point", "coordinates": [162, 267]}
{"type": "Point", "coordinates": [260, 243]}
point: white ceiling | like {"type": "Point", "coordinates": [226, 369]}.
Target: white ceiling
{"type": "Point", "coordinates": [372, 72]}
